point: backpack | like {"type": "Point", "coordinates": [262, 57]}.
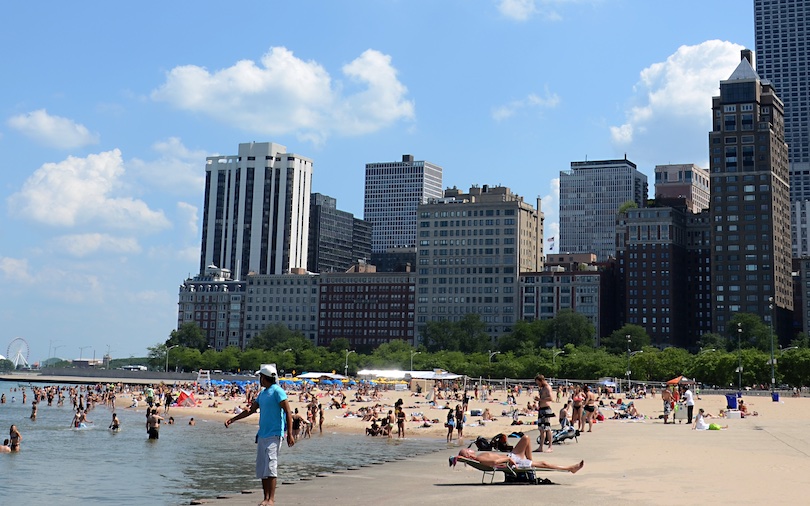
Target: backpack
{"type": "Point", "coordinates": [482, 444]}
{"type": "Point", "coordinates": [500, 443]}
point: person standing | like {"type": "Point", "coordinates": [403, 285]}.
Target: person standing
{"type": "Point", "coordinates": [544, 412]}
{"type": "Point", "coordinates": [689, 399]}
{"type": "Point", "coordinates": [666, 396]}
{"type": "Point", "coordinates": [15, 438]}
{"type": "Point", "coordinates": [270, 403]}
{"type": "Point", "coordinates": [153, 424]}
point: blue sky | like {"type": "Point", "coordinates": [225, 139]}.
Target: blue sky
{"type": "Point", "coordinates": [109, 109]}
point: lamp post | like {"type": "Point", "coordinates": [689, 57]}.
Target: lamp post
{"type": "Point", "coordinates": [167, 355]}
{"type": "Point", "coordinates": [739, 354]}
{"type": "Point", "coordinates": [707, 350]}
{"type": "Point", "coordinates": [492, 354]}
{"type": "Point", "coordinates": [412, 354]}
{"type": "Point", "coordinates": [554, 355]}
{"type": "Point", "coordinates": [346, 366]}
{"type": "Point", "coordinates": [56, 348]}
{"type": "Point", "coordinates": [627, 371]}
{"type": "Point", "coordinates": [81, 350]}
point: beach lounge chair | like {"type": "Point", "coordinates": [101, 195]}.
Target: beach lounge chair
{"type": "Point", "coordinates": [512, 475]}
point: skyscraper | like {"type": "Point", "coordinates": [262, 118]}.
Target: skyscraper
{"type": "Point", "coordinates": [256, 212]}
{"type": "Point", "coordinates": [750, 210]}
{"type": "Point", "coordinates": [393, 192]}
{"type": "Point", "coordinates": [590, 195]}
{"type": "Point", "coordinates": [472, 248]}
{"type": "Point", "coordinates": [337, 239]}
{"type": "Point", "coordinates": [783, 58]}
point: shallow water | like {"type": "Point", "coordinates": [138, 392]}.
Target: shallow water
{"type": "Point", "coordinates": [60, 465]}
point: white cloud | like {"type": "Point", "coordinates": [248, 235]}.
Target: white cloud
{"type": "Point", "coordinates": [523, 10]}
{"type": "Point", "coordinates": [53, 131]}
{"type": "Point", "coordinates": [520, 10]}
{"type": "Point", "coordinates": [283, 94]}
{"type": "Point", "coordinates": [549, 101]}
{"type": "Point", "coordinates": [81, 245]}
{"type": "Point", "coordinates": [81, 191]}
{"type": "Point", "coordinates": [177, 170]}
{"type": "Point", "coordinates": [673, 100]}
{"type": "Point", "coordinates": [188, 214]}
{"type": "Point", "coordinates": [15, 269]}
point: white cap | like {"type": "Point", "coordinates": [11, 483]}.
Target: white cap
{"type": "Point", "coordinates": [268, 370]}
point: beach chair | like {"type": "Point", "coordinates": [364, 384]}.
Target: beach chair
{"type": "Point", "coordinates": [512, 475]}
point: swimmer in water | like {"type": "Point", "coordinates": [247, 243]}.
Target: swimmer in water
{"type": "Point", "coordinates": [115, 426]}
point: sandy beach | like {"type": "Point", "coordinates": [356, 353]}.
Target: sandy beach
{"type": "Point", "coordinates": [757, 460]}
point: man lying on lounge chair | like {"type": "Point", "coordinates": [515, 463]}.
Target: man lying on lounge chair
{"type": "Point", "coordinates": [520, 457]}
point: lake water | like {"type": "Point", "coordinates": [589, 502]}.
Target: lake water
{"type": "Point", "coordinates": [60, 465]}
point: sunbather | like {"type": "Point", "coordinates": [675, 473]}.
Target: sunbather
{"type": "Point", "coordinates": [520, 457]}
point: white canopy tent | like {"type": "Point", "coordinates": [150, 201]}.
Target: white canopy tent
{"type": "Point", "coordinates": [436, 374]}
{"type": "Point", "coordinates": [319, 375]}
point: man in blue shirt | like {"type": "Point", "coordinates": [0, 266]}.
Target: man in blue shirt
{"type": "Point", "coordinates": [272, 426]}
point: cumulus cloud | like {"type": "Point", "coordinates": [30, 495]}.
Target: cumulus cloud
{"type": "Point", "coordinates": [177, 168]}
{"type": "Point", "coordinates": [53, 131]}
{"type": "Point", "coordinates": [80, 191]}
{"type": "Point", "coordinates": [188, 215]}
{"type": "Point", "coordinates": [81, 245]}
{"type": "Point", "coordinates": [523, 10]}
{"type": "Point", "coordinates": [282, 94]}
{"type": "Point", "coordinates": [15, 269]}
{"type": "Point", "coordinates": [532, 101]}
{"type": "Point", "coordinates": [673, 100]}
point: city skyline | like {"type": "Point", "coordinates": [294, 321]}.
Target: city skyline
{"type": "Point", "coordinates": [108, 121]}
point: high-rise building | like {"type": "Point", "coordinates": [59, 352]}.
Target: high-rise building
{"type": "Point", "coordinates": [683, 181]}
{"type": "Point", "coordinates": [783, 58]}
{"type": "Point", "coordinates": [590, 196]}
{"type": "Point", "coordinates": [472, 248]}
{"type": "Point", "coordinates": [256, 211]}
{"type": "Point", "coordinates": [393, 192]}
{"type": "Point", "coordinates": [337, 240]}
{"type": "Point", "coordinates": [216, 303]}
{"type": "Point", "coordinates": [750, 210]}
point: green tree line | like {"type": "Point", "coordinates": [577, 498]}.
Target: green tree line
{"type": "Point", "coordinates": [562, 347]}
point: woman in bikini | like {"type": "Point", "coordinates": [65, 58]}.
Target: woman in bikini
{"type": "Point", "coordinates": [15, 438]}
{"type": "Point", "coordinates": [589, 408]}
{"type": "Point", "coordinates": [576, 410]}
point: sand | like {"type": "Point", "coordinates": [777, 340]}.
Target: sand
{"type": "Point", "coordinates": [757, 460]}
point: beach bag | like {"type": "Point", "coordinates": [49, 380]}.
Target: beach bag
{"type": "Point", "coordinates": [483, 444]}
{"type": "Point", "coordinates": [500, 443]}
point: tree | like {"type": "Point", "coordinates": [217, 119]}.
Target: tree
{"type": "Point", "coordinates": [525, 337]}
{"type": "Point", "coordinates": [616, 342]}
{"type": "Point", "coordinates": [710, 340]}
{"type": "Point", "coordinates": [754, 332]}
{"type": "Point", "coordinates": [440, 336]}
{"type": "Point", "coordinates": [189, 335]}
{"type": "Point", "coordinates": [570, 327]}
{"type": "Point", "coordinates": [271, 336]}
{"type": "Point", "coordinates": [340, 344]}
{"type": "Point", "coordinates": [472, 334]}
{"type": "Point", "coordinates": [6, 365]}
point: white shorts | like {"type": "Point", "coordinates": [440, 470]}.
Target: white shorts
{"type": "Point", "coordinates": [520, 462]}
{"type": "Point", "coordinates": [267, 457]}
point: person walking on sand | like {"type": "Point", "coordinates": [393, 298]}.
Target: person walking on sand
{"type": "Point", "coordinates": [450, 424]}
{"type": "Point", "coordinates": [270, 403]}
{"type": "Point", "coordinates": [666, 397]}
{"type": "Point", "coordinates": [589, 409]}
{"type": "Point", "coordinates": [520, 457]}
{"type": "Point", "coordinates": [544, 412]}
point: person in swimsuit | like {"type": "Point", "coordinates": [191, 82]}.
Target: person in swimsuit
{"type": "Point", "coordinates": [520, 457]}
{"type": "Point", "coordinates": [589, 409]}
{"type": "Point", "coordinates": [116, 423]}
{"type": "Point", "coordinates": [460, 421]}
{"type": "Point", "coordinates": [15, 438]}
{"type": "Point", "coordinates": [666, 397]}
{"type": "Point", "coordinates": [34, 411]}
{"type": "Point", "coordinates": [544, 412]}
{"type": "Point", "coordinates": [153, 424]}
{"type": "Point", "coordinates": [400, 422]}
{"type": "Point", "coordinates": [576, 407]}
{"type": "Point", "coordinates": [5, 448]}
{"type": "Point", "coordinates": [450, 424]}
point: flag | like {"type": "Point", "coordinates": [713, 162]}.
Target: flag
{"type": "Point", "coordinates": [550, 243]}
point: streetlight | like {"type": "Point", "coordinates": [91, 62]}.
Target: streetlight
{"type": "Point", "coordinates": [492, 354]}
{"type": "Point", "coordinates": [412, 354]}
{"type": "Point", "coordinates": [788, 349]}
{"type": "Point", "coordinates": [56, 348]}
{"type": "Point", "coordinates": [707, 350]}
{"type": "Point", "coordinates": [167, 355]}
{"type": "Point", "coordinates": [346, 366]}
{"type": "Point", "coordinates": [81, 350]}
{"type": "Point", "coordinates": [739, 353]}
{"type": "Point", "coordinates": [773, 361]}
{"type": "Point", "coordinates": [627, 372]}
{"type": "Point", "coordinates": [554, 355]}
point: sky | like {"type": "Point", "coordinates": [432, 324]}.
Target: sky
{"type": "Point", "coordinates": [109, 109]}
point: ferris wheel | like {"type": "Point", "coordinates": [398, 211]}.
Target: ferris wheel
{"type": "Point", "coordinates": [18, 352]}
